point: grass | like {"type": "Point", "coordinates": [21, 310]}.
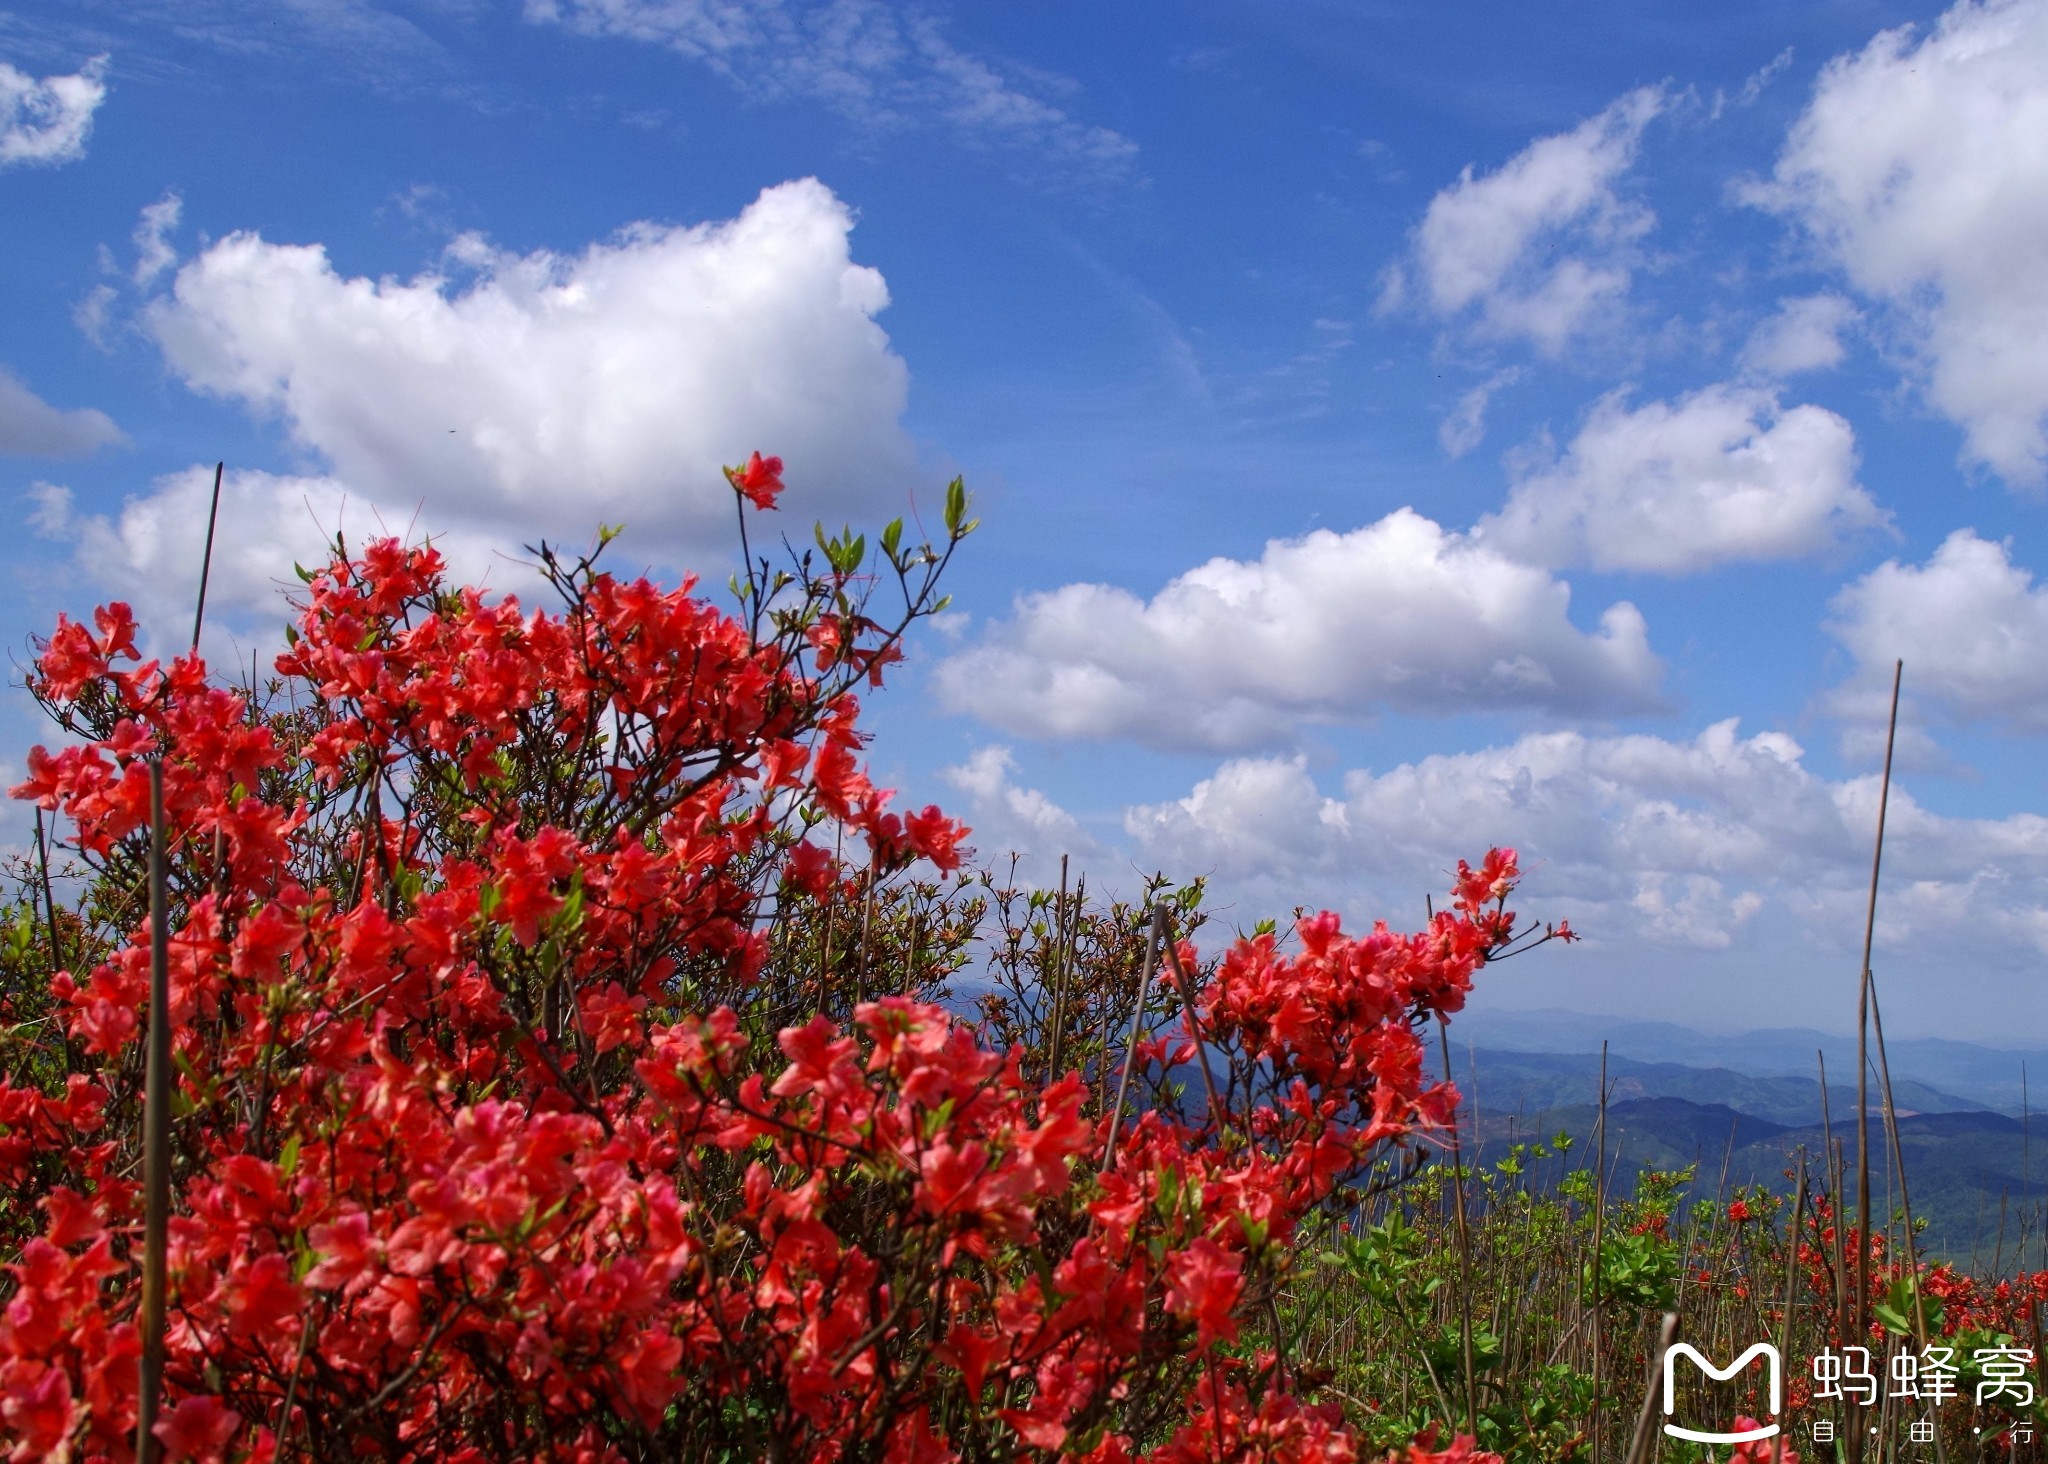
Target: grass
{"type": "Point", "coordinates": [1561, 1363]}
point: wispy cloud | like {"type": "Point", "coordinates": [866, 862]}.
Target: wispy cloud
{"type": "Point", "coordinates": [1465, 428]}
{"type": "Point", "coordinates": [152, 237]}
{"type": "Point", "coordinates": [874, 64]}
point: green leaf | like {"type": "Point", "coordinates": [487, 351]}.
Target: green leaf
{"type": "Point", "coordinates": [1895, 1313]}
{"type": "Point", "coordinates": [892, 536]}
{"type": "Point", "coordinates": [956, 505]}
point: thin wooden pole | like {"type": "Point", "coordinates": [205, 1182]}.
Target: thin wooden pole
{"type": "Point", "coordinates": [1791, 1286]}
{"type": "Point", "coordinates": [206, 562]}
{"type": "Point", "coordinates": [1599, 1228]}
{"type": "Point", "coordinates": [1643, 1445]}
{"type": "Point", "coordinates": [156, 1133]}
{"type": "Point", "coordinates": [1891, 1123]}
{"type": "Point", "coordinates": [1832, 1172]}
{"type": "Point", "coordinates": [1443, 1032]}
{"type": "Point", "coordinates": [1860, 1308]}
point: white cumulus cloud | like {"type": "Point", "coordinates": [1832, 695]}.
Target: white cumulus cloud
{"type": "Point", "coordinates": [1008, 817]}
{"type": "Point", "coordinates": [1971, 626]}
{"type": "Point", "coordinates": [48, 121]}
{"type": "Point", "coordinates": [1399, 615]}
{"type": "Point", "coordinates": [1677, 487]}
{"type": "Point", "coordinates": [31, 427]}
{"type": "Point", "coordinates": [1534, 248]}
{"type": "Point", "coordinates": [150, 551]}
{"type": "Point", "coordinates": [1918, 168]}
{"type": "Point", "coordinates": [515, 396]}
{"type": "Point", "coordinates": [1681, 843]}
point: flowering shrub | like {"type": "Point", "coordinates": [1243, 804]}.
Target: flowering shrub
{"type": "Point", "coordinates": [547, 1089]}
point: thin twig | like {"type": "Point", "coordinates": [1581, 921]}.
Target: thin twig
{"type": "Point", "coordinates": [867, 925]}
{"type": "Point", "coordinates": [1059, 979]}
{"type": "Point", "coordinates": [1123, 1087]}
{"type": "Point", "coordinates": [284, 1429]}
{"type": "Point", "coordinates": [50, 902]}
{"type": "Point", "coordinates": [1216, 1114]}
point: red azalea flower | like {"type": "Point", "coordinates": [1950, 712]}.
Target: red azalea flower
{"type": "Point", "coordinates": [759, 481]}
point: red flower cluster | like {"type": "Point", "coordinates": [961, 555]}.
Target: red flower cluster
{"type": "Point", "coordinates": [486, 1147]}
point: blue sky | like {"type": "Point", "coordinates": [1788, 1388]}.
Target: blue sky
{"type": "Point", "coordinates": [1397, 429]}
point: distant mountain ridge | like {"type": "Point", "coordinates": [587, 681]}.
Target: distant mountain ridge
{"type": "Point", "coordinates": [1981, 1075]}
{"type": "Point", "coordinates": [1497, 1080]}
{"type": "Point", "coordinates": [1974, 1176]}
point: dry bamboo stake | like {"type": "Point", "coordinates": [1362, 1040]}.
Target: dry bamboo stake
{"type": "Point", "coordinates": [1443, 1032]}
{"type": "Point", "coordinates": [156, 1133]}
{"type": "Point", "coordinates": [1791, 1285]}
{"type": "Point", "coordinates": [1834, 1179]}
{"type": "Point", "coordinates": [1640, 1447]}
{"type": "Point", "coordinates": [1123, 1086]}
{"type": "Point", "coordinates": [206, 562]}
{"type": "Point", "coordinates": [1891, 1123]}
{"type": "Point", "coordinates": [1599, 1225]}
{"type": "Point", "coordinates": [1861, 1305]}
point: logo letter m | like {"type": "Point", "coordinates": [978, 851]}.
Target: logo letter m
{"type": "Point", "coordinates": [1773, 1362]}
